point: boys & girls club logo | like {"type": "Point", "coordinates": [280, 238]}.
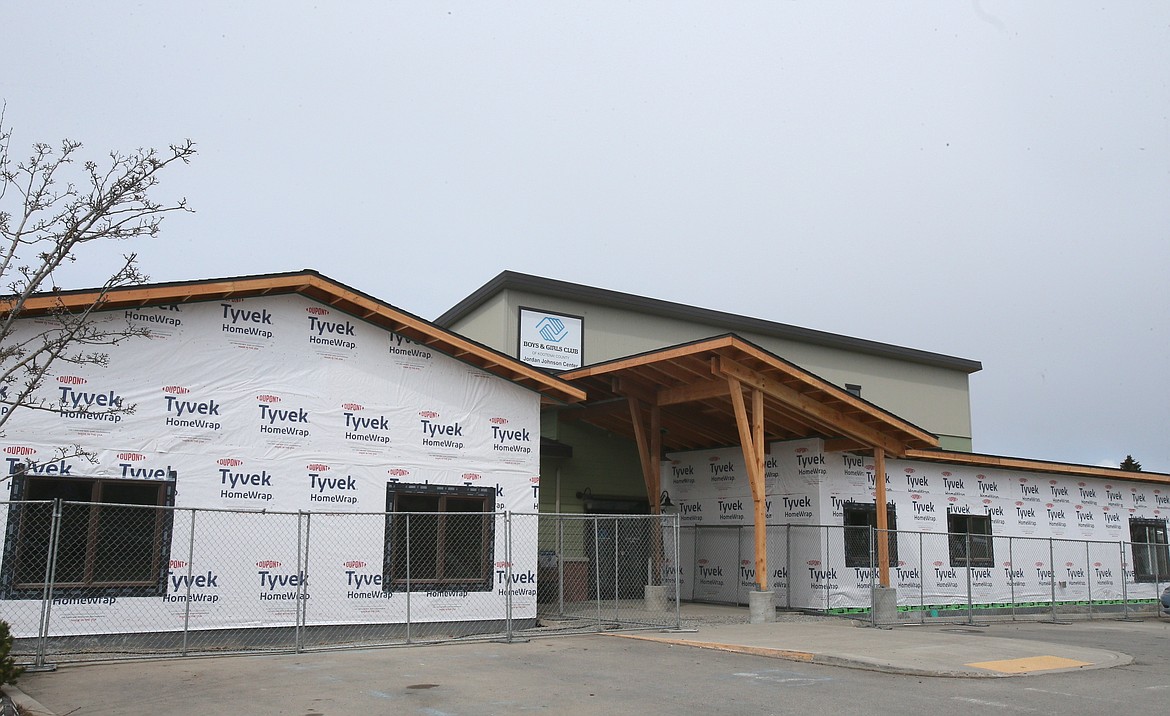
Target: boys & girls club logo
{"type": "Point", "coordinates": [552, 329]}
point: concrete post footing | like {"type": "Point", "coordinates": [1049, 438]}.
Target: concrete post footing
{"type": "Point", "coordinates": [885, 606]}
{"type": "Point", "coordinates": [655, 598]}
{"type": "Point", "coordinates": [761, 610]}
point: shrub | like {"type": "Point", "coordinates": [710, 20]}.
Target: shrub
{"type": "Point", "coordinates": [9, 671]}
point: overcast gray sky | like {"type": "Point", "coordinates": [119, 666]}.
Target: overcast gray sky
{"type": "Point", "coordinates": [983, 179]}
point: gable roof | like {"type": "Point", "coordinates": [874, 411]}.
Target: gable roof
{"type": "Point", "coordinates": [310, 284]}
{"type": "Point", "coordinates": [727, 322]}
{"type": "Point", "coordinates": [689, 385]}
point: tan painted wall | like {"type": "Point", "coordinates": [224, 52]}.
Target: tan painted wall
{"type": "Point", "coordinates": [936, 399]}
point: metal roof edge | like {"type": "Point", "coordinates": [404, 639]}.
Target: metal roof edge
{"type": "Point", "coordinates": [511, 280]}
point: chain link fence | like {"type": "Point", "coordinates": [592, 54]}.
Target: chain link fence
{"type": "Point", "coordinates": [606, 571]}
{"type": "Point", "coordinates": [832, 569]}
{"type": "Point", "coordinates": [87, 581]}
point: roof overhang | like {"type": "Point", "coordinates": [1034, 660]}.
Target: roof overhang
{"type": "Point", "coordinates": [999, 462]}
{"type": "Point", "coordinates": [720, 321]}
{"type": "Point", "coordinates": [312, 285]}
{"type": "Point", "coordinates": [690, 386]}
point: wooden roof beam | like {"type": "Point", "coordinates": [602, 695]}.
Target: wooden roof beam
{"type": "Point", "coordinates": [694, 392]}
{"type": "Point", "coordinates": [628, 388]}
{"type": "Point", "coordinates": [845, 425]}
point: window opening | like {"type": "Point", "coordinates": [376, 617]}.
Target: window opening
{"type": "Point", "coordinates": [439, 537]}
{"type": "Point", "coordinates": [859, 518]}
{"type": "Point", "coordinates": [112, 537]}
{"type": "Point", "coordinates": [1151, 557]}
{"type": "Point", "coordinates": [970, 531]}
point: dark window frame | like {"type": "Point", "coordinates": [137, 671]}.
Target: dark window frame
{"type": "Point", "coordinates": [856, 535]}
{"type": "Point", "coordinates": [1151, 553]}
{"type": "Point", "coordinates": [960, 534]}
{"type": "Point", "coordinates": [442, 543]}
{"type": "Point", "coordinates": [92, 537]}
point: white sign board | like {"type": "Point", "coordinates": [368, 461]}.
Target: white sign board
{"type": "Point", "coordinates": [553, 341]}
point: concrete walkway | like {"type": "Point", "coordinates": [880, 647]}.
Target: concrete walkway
{"type": "Point", "coordinates": [921, 651]}
{"type": "Point", "coordinates": [936, 651]}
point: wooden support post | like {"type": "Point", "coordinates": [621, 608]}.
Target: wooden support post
{"type": "Point", "coordinates": [649, 440]}
{"type": "Point", "coordinates": [646, 442]}
{"type": "Point", "coordinates": [654, 459]}
{"type": "Point", "coordinates": [751, 438]}
{"type": "Point", "coordinates": [883, 523]}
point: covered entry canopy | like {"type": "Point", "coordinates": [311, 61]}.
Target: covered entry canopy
{"type": "Point", "coordinates": [725, 391]}
{"type": "Point", "coordinates": [689, 384]}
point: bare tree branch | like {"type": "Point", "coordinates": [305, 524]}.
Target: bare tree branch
{"type": "Point", "coordinates": [50, 208]}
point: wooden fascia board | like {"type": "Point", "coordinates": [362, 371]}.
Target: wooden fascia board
{"type": "Point", "coordinates": [847, 426]}
{"type": "Point", "coordinates": [838, 393]}
{"type": "Point", "coordinates": [1024, 464]}
{"type": "Point", "coordinates": [313, 287]}
{"type": "Point", "coordinates": [648, 358]}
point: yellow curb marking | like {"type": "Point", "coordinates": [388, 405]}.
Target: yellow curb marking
{"type": "Point", "coordinates": [734, 648]}
{"type": "Point", "coordinates": [1030, 663]}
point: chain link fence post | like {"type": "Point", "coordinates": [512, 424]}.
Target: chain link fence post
{"type": "Point", "coordinates": [1153, 549]}
{"type": "Point", "coordinates": [409, 591]}
{"type": "Point", "coordinates": [921, 582]}
{"type": "Point", "coordinates": [300, 570]}
{"type": "Point", "coordinates": [1012, 573]}
{"type": "Point", "coordinates": [47, 591]}
{"type": "Point", "coordinates": [597, 567]}
{"type": "Point", "coordinates": [190, 567]}
{"type": "Point", "coordinates": [788, 565]}
{"type": "Point", "coordinates": [508, 575]}
{"type": "Point", "coordinates": [872, 570]}
{"type": "Point", "coordinates": [616, 567]}
{"type": "Point", "coordinates": [561, 565]}
{"type": "Point", "coordinates": [1089, 578]}
{"type": "Point", "coordinates": [967, 569]}
{"type": "Point", "coordinates": [1052, 576]}
{"type": "Point", "coordinates": [677, 572]}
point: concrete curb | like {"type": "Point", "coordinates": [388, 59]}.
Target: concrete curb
{"type": "Point", "coordinates": [863, 664]}
{"type": "Point", "coordinates": [25, 703]}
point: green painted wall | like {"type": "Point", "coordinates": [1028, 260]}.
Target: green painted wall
{"type": "Point", "coordinates": [605, 464]}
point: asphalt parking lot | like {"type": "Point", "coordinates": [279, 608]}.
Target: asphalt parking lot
{"type": "Point", "coordinates": [603, 674]}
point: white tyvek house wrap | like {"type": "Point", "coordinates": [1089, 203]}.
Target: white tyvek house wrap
{"type": "Point", "coordinates": [283, 404]}
{"type": "Point", "coordinates": [807, 488]}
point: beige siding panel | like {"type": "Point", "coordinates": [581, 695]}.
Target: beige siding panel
{"type": "Point", "coordinates": [936, 399]}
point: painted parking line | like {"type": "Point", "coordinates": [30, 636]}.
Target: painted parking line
{"type": "Point", "coordinates": [1029, 664]}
